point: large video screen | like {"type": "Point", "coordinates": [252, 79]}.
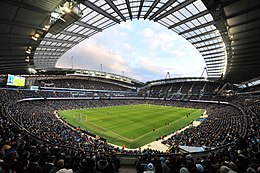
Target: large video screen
{"type": "Point", "coordinates": [13, 80]}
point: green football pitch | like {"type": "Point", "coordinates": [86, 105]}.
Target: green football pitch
{"type": "Point", "coordinates": [131, 125]}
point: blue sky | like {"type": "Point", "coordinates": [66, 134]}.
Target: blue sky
{"type": "Point", "coordinates": [144, 50]}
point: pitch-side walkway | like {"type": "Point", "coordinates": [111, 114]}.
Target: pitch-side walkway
{"type": "Point", "coordinates": [157, 145]}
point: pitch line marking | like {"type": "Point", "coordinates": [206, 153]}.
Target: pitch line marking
{"type": "Point", "coordinates": [111, 132]}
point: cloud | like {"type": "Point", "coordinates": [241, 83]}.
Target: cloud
{"type": "Point", "coordinates": [177, 53]}
{"type": "Point", "coordinates": [143, 51]}
{"type": "Point", "coordinates": [148, 33]}
{"type": "Point", "coordinates": [163, 40]}
{"type": "Point", "coordinates": [128, 47]}
{"type": "Point", "coordinates": [127, 26]}
{"type": "Point", "coordinates": [91, 55]}
{"type": "Point", "coordinates": [155, 68]}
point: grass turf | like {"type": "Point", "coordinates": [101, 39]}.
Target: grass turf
{"type": "Point", "coordinates": [131, 125]}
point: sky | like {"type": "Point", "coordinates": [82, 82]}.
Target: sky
{"type": "Point", "coordinates": [139, 49]}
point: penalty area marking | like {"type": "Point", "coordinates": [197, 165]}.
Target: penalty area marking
{"type": "Point", "coordinates": [129, 140]}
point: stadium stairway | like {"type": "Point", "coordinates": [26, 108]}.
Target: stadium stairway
{"type": "Point", "coordinates": [127, 169]}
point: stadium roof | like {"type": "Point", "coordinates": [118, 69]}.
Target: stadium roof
{"type": "Point", "coordinates": [37, 33]}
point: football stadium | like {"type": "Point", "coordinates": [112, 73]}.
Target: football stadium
{"type": "Point", "coordinates": [82, 120]}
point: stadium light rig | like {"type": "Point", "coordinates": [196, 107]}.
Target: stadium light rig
{"type": "Point", "coordinates": [36, 35]}
{"type": "Point", "coordinates": [27, 59]}
{"type": "Point", "coordinates": [29, 49]}
{"type": "Point", "coordinates": [61, 10]}
{"type": "Point", "coordinates": [66, 7]}
{"type": "Point", "coordinates": [34, 38]}
{"type": "Point", "coordinates": [63, 15]}
{"type": "Point", "coordinates": [46, 27]}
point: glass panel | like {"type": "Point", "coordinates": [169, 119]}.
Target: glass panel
{"type": "Point", "coordinates": [202, 20]}
{"type": "Point", "coordinates": [192, 9]}
{"type": "Point", "coordinates": [199, 5]}
{"type": "Point", "coordinates": [174, 19]}
{"type": "Point", "coordinates": [184, 12]}
{"type": "Point", "coordinates": [195, 22]}
{"type": "Point", "coordinates": [208, 17]}
{"type": "Point", "coordinates": [191, 25]}
{"type": "Point", "coordinates": [179, 15]}
{"type": "Point", "coordinates": [184, 26]}
{"type": "Point", "coordinates": [72, 28]}
{"type": "Point", "coordinates": [179, 28]}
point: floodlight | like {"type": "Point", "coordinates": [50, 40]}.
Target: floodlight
{"type": "Point", "coordinates": [66, 9]}
{"type": "Point", "coordinates": [37, 35]}
{"type": "Point", "coordinates": [28, 51]}
{"type": "Point", "coordinates": [31, 70]}
{"type": "Point", "coordinates": [27, 59]}
{"type": "Point", "coordinates": [34, 38]}
{"type": "Point", "coordinates": [46, 27]}
{"type": "Point", "coordinates": [64, 15]}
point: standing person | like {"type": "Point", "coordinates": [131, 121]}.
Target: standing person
{"type": "Point", "coordinates": [49, 164]}
{"type": "Point", "coordinates": [105, 166]}
{"type": "Point", "coordinates": [140, 164]}
{"type": "Point", "coordinates": [59, 165]}
{"type": "Point", "coordinates": [166, 167]}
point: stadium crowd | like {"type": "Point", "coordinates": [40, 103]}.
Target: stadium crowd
{"type": "Point", "coordinates": [216, 130]}
{"type": "Point", "coordinates": [20, 153]}
{"type": "Point", "coordinates": [82, 84]}
{"type": "Point", "coordinates": [212, 132]}
{"type": "Point", "coordinates": [243, 159]}
{"type": "Point", "coordinates": [183, 90]}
